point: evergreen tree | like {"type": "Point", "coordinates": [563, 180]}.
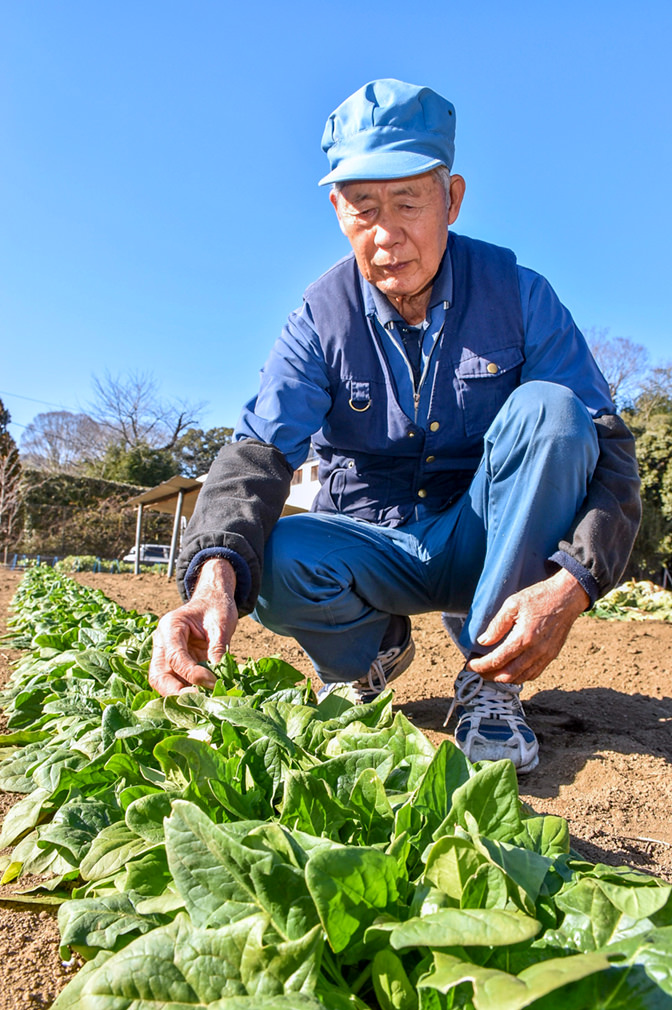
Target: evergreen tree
{"type": "Point", "coordinates": [651, 423]}
{"type": "Point", "coordinates": [10, 485]}
{"type": "Point", "coordinates": [196, 449]}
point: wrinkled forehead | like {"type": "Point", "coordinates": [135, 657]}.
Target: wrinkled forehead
{"type": "Point", "coordinates": [359, 191]}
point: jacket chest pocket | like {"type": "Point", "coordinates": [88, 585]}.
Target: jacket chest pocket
{"type": "Point", "coordinates": [483, 383]}
{"type": "Point", "coordinates": [358, 419]}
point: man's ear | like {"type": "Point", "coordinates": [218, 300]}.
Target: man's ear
{"type": "Point", "coordinates": [333, 196]}
{"type": "Point", "coordinates": [457, 188]}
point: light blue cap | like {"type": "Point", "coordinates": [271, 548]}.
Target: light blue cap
{"type": "Point", "coordinates": [389, 130]}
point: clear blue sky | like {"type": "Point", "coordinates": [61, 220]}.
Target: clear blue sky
{"type": "Point", "coordinates": [159, 166]}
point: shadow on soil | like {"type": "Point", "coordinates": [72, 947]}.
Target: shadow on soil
{"type": "Point", "coordinates": [639, 853]}
{"type": "Point", "coordinates": [574, 726]}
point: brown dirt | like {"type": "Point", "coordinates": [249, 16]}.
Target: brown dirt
{"type": "Point", "coordinates": [602, 711]}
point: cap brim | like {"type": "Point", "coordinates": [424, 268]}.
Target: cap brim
{"type": "Point", "coordinates": [388, 165]}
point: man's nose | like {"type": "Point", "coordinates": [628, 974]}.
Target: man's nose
{"type": "Point", "coordinates": [388, 233]}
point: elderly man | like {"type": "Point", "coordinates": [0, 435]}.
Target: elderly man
{"type": "Point", "coordinates": [471, 461]}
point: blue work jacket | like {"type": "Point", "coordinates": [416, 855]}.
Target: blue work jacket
{"type": "Point", "coordinates": [389, 447]}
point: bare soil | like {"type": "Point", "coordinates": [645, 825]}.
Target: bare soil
{"type": "Point", "coordinates": [602, 711]}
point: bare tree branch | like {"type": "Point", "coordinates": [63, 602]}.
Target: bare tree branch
{"type": "Point", "coordinates": [656, 393]}
{"type": "Point", "coordinates": [131, 409]}
{"type": "Point", "coordinates": [623, 363]}
{"type": "Point", "coordinates": [62, 442]}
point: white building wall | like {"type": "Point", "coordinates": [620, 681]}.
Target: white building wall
{"type": "Point", "coordinates": [304, 486]}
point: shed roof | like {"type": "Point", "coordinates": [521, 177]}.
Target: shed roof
{"type": "Point", "coordinates": [163, 497]}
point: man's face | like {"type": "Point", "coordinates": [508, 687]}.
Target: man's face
{"type": "Point", "coordinates": [397, 229]}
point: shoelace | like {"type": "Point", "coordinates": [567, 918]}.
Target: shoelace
{"type": "Point", "coordinates": [376, 679]}
{"type": "Point", "coordinates": [376, 676]}
{"type": "Point", "coordinates": [495, 700]}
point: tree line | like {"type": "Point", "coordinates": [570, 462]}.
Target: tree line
{"type": "Point", "coordinates": [131, 434]}
{"type": "Point", "coordinates": [65, 489]}
{"type": "Point", "coordinates": [133, 437]}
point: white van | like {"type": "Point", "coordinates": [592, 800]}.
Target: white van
{"type": "Point", "coordinates": [150, 554]}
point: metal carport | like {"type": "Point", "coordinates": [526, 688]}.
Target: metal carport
{"type": "Point", "coordinates": [175, 496]}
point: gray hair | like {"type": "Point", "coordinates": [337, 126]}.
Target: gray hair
{"type": "Point", "coordinates": [442, 173]}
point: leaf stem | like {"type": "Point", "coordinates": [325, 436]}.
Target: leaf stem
{"type": "Point", "coordinates": [363, 977]}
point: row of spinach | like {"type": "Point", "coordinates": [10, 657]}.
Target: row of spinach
{"type": "Point", "coordinates": [247, 849]}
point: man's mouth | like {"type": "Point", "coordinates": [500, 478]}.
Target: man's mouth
{"type": "Point", "coordinates": [393, 268]}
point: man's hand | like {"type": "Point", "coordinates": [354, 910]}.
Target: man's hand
{"type": "Point", "coordinates": [533, 624]}
{"type": "Point", "coordinates": [196, 632]}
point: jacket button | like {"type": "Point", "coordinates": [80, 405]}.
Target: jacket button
{"type": "Point", "coordinates": [430, 459]}
{"type": "Point", "coordinates": [411, 434]}
{"type": "Point", "coordinates": [422, 493]}
{"type": "Point", "coordinates": [492, 368]}
{"type": "Point", "coordinates": [434, 426]}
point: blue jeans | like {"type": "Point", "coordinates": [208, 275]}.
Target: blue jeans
{"type": "Point", "coordinates": [331, 581]}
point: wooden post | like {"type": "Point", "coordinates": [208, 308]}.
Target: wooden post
{"type": "Point", "coordinates": [176, 533]}
{"type": "Point", "coordinates": [138, 537]}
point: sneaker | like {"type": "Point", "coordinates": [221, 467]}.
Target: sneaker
{"type": "Point", "coordinates": [388, 665]}
{"type": "Point", "coordinates": [491, 722]}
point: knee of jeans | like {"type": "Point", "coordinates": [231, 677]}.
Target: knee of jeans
{"type": "Point", "coordinates": [549, 406]}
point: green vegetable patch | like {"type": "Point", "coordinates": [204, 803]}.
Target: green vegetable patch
{"type": "Point", "coordinates": [635, 601]}
{"type": "Point", "coordinates": [247, 849]}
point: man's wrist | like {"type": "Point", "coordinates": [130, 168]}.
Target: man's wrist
{"type": "Point", "coordinates": [215, 575]}
{"type": "Point", "coordinates": [571, 589]}
{"type": "Point", "coordinates": [582, 574]}
{"type": "Point", "coordinates": [240, 567]}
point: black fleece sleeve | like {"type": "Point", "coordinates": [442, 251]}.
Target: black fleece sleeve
{"type": "Point", "coordinates": [601, 538]}
{"type": "Point", "coordinates": [240, 502]}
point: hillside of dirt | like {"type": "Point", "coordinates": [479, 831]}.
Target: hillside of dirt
{"type": "Point", "coordinates": [602, 711]}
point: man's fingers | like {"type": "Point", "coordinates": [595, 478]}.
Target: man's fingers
{"type": "Point", "coordinates": [513, 670]}
{"type": "Point", "coordinates": [523, 668]}
{"type": "Point", "coordinates": [176, 670]}
{"type": "Point", "coordinates": [219, 636]}
{"type": "Point", "coordinates": [523, 656]}
{"type": "Point", "coordinates": [177, 660]}
{"type": "Point", "coordinates": [216, 652]}
{"type": "Point", "coordinates": [200, 676]}
{"type": "Point", "coordinates": [499, 626]}
{"type": "Point", "coordinates": [166, 683]}
{"type": "Point", "coordinates": [175, 656]}
{"type": "Point", "coordinates": [497, 661]}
